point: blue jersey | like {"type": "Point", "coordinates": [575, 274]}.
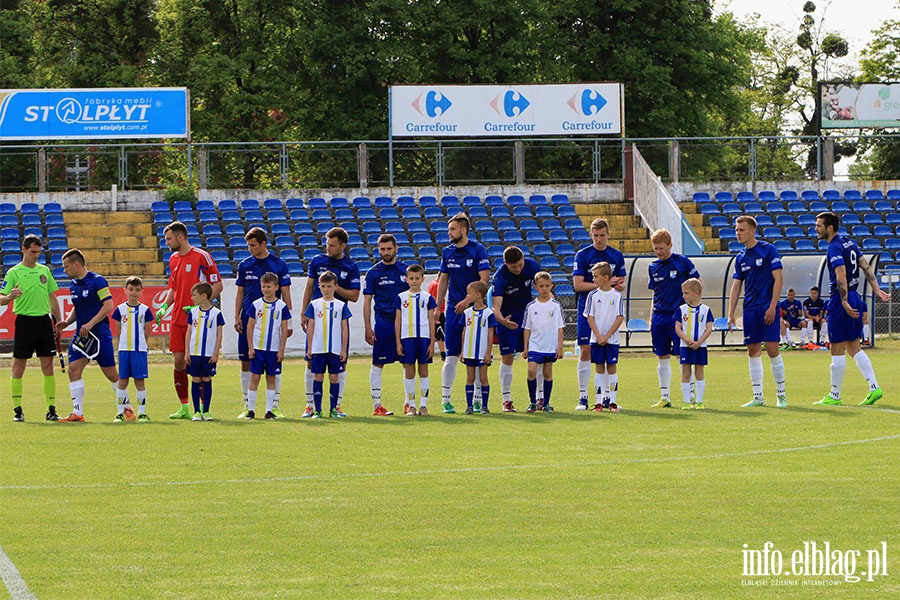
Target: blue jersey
{"type": "Point", "coordinates": [515, 289]}
{"type": "Point", "coordinates": [248, 273]}
{"type": "Point", "coordinates": [842, 251]}
{"type": "Point", "coordinates": [666, 277]}
{"type": "Point", "coordinates": [587, 257]}
{"type": "Point", "coordinates": [754, 266]}
{"type": "Point", "coordinates": [463, 266]}
{"type": "Point", "coordinates": [814, 307]}
{"type": "Point", "coordinates": [793, 310]}
{"type": "Point", "coordinates": [384, 283]}
{"type": "Point", "coordinates": [88, 295]}
{"type": "Point", "coordinates": [346, 270]}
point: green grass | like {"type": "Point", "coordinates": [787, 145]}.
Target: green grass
{"type": "Point", "coordinates": [642, 504]}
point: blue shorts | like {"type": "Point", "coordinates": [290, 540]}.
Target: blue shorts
{"type": "Point", "coordinates": [322, 362]}
{"type": "Point", "coordinates": [243, 345]}
{"type": "Point", "coordinates": [793, 322]}
{"type": "Point", "coordinates": [106, 357]}
{"type": "Point", "coordinates": [511, 340]}
{"type": "Point", "coordinates": [841, 328]}
{"type": "Point", "coordinates": [453, 332]}
{"type": "Point", "coordinates": [607, 354]}
{"type": "Point", "coordinates": [694, 357]}
{"type": "Point", "coordinates": [384, 351]}
{"type": "Point", "coordinates": [265, 362]}
{"type": "Point", "coordinates": [665, 340]}
{"type": "Point", "coordinates": [755, 329]}
{"type": "Point", "coordinates": [133, 364]}
{"type": "Point", "coordinates": [584, 330]}
{"type": "Point", "coordinates": [541, 357]}
{"type": "Point", "coordinates": [415, 350]}
{"type": "Point", "coordinates": [201, 367]}
{"type": "Point", "coordinates": [472, 362]}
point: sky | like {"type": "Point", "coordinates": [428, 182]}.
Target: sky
{"type": "Point", "coordinates": [853, 19]}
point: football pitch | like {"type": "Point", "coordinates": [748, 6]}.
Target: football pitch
{"type": "Point", "coordinates": [666, 503]}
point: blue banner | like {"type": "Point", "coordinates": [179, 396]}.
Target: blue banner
{"type": "Point", "coordinates": [94, 114]}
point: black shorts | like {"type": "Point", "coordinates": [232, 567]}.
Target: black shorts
{"type": "Point", "coordinates": [34, 335]}
{"type": "Point", "coordinates": [439, 328]}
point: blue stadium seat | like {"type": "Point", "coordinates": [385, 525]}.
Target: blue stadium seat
{"type": "Point", "coordinates": [515, 200]}
{"type": "Point", "coordinates": [437, 227]}
{"type": "Point", "coordinates": [344, 214]}
{"type": "Point", "coordinates": [573, 224]}
{"type": "Point", "coordinates": [426, 201]}
{"type": "Point", "coordinates": [214, 241]}
{"type": "Point", "coordinates": [295, 268]}
{"type": "Point", "coordinates": [522, 212]}
{"type": "Point", "coordinates": [559, 199]}
{"type": "Point", "coordinates": [284, 241]}
{"type": "Point", "coordinates": [727, 233]}
{"type": "Point", "coordinates": [861, 206]}
{"type": "Point", "coordinates": [56, 232]}
{"type": "Point", "coordinates": [428, 252]}
{"type": "Point", "coordinates": [550, 262]}
{"type": "Point", "coordinates": [872, 219]}
{"type": "Point", "coordinates": [289, 254]}
{"type": "Point", "coordinates": [422, 238]}
{"type": "Point", "coordinates": [478, 212]}
{"type": "Point", "coordinates": [323, 227]}
{"type": "Point", "coordinates": [308, 241]}
{"type": "Point", "coordinates": [9, 221]}
{"type": "Point", "coordinates": [745, 197]}
{"type": "Point", "coordinates": [158, 206]}
{"type": "Point", "coordinates": [708, 208]}
{"type": "Point", "coordinates": [186, 217]}
{"type": "Point", "coordinates": [809, 195]}
{"type": "Point", "coordinates": [806, 219]}
{"type": "Point", "coordinates": [58, 245]}
{"type": "Point", "coordinates": [411, 212]}
{"type": "Point", "coordinates": [364, 266]}
{"type": "Point", "coordinates": [543, 212]}
{"type": "Point", "coordinates": [388, 213]}
{"type": "Point", "coordinates": [405, 253]}
{"type": "Point", "coordinates": [237, 242]}
{"type": "Point", "coordinates": [513, 237]}
{"type": "Point", "coordinates": [771, 233]}
{"type": "Point", "coordinates": [354, 239]}
{"type": "Point", "coordinates": [31, 220]}
{"type": "Point", "coordinates": [299, 214]}
{"type": "Point", "coordinates": [884, 205]}
{"type": "Point", "coordinates": [892, 244]}
{"type": "Point", "coordinates": [764, 220]}
{"type": "Point", "coordinates": [11, 260]}
{"type": "Point", "coordinates": [526, 224]}
{"type": "Point", "coordinates": [892, 218]}
{"type": "Point", "coordinates": [208, 216]}
{"type": "Point", "coordinates": [775, 207]}
{"type": "Point", "coordinates": [254, 215]}
{"type": "Point", "coordinates": [276, 214]}
{"type": "Point", "coordinates": [840, 206]}
{"type": "Point", "coordinates": [794, 232]}
{"type": "Point", "coordinates": [416, 227]}
{"type": "Point", "coordinates": [559, 235]}
{"type": "Point", "coordinates": [874, 195]}
{"type": "Point", "coordinates": [871, 244]}
{"type": "Point", "coordinates": [698, 197]}
{"type": "Point", "coordinates": [506, 225]}
{"type": "Point", "coordinates": [316, 203]}
{"type": "Point", "coordinates": [787, 195]}
{"type": "Point", "coordinates": [232, 216]}
{"type": "Point", "coordinates": [339, 202]}
{"type": "Point", "coordinates": [719, 221]}
{"type": "Point", "coordinates": [783, 246]}
{"type": "Point", "coordinates": [321, 214]}
{"type": "Point", "coordinates": [12, 246]}
{"type": "Point", "coordinates": [360, 253]}
{"type": "Point", "coordinates": [241, 255]}
{"type": "Point", "coordinates": [294, 203]}
{"type": "Point", "coordinates": [311, 253]}
{"type": "Point", "coordinates": [731, 208]}
{"type": "Point", "coordinates": [219, 256]}
{"type": "Point", "coordinates": [384, 202]}
{"type": "Point", "coordinates": [893, 195]}
{"type": "Point", "coordinates": [565, 249]}
{"type": "Point", "coordinates": [182, 206]}
{"type": "Point", "coordinates": [500, 212]}
{"type": "Point", "coordinates": [534, 235]}
{"type": "Point", "coordinates": [751, 208]}
{"type": "Point", "coordinates": [767, 196]}
{"type": "Point", "coordinates": [831, 195]}
{"type": "Point", "coordinates": [434, 212]}
{"type": "Point", "coordinates": [490, 237]}
{"type": "Point", "coordinates": [432, 266]}
{"type": "Point", "coordinates": [540, 199]}
{"type": "Point", "coordinates": [226, 271]}
{"type": "Point", "coordinates": [235, 229]}
{"type": "Point", "coordinates": [450, 202]}
{"type": "Point", "coordinates": [361, 202]}
{"type": "Point", "coordinates": [566, 210]}
{"type": "Point", "coordinates": [538, 250]}
{"type": "Point", "coordinates": [366, 214]}
{"type": "Point", "coordinates": [850, 219]}
{"type": "Point", "coordinates": [402, 238]}
{"type": "Point", "coordinates": [817, 206]}
{"type": "Point", "coordinates": [483, 225]}
{"type": "Point", "coordinates": [860, 231]}
{"type": "Point", "coordinates": [205, 205]}
{"type": "Point", "coordinates": [394, 227]}
{"type": "Point", "coordinates": [735, 246]}
{"type": "Point", "coordinates": [851, 195]}
{"type": "Point", "coordinates": [804, 245]}
{"type": "Point", "coordinates": [580, 235]}
{"type": "Point", "coordinates": [162, 218]}
{"type": "Point", "coordinates": [272, 204]}
{"type": "Point", "coordinates": [304, 228]}
{"type": "Point", "coordinates": [796, 206]}
{"type": "Point", "coordinates": [442, 238]}
{"type": "Point", "coordinates": [882, 231]}
{"type": "Point", "coordinates": [491, 200]}
{"type": "Point", "coordinates": [52, 208]}
{"type": "Point", "coordinates": [785, 220]}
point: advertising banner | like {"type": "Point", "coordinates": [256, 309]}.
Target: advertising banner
{"type": "Point", "coordinates": [94, 114]}
{"type": "Point", "coordinates": [847, 105]}
{"type": "Point", "coordinates": [506, 110]}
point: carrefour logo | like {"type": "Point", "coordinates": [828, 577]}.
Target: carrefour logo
{"type": "Point", "coordinates": [436, 104]}
{"type": "Point", "coordinates": [514, 104]}
{"type": "Point", "coordinates": [588, 102]}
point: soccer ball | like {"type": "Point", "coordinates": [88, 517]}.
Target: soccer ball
{"type": "Point", "coordinates": [129, 413]}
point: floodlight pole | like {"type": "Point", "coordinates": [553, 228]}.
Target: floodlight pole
{"type": "Point", "coordinates": [390, 137]}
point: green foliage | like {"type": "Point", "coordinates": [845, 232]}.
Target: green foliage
{"type": "Point", "coordinates": [174, 194]}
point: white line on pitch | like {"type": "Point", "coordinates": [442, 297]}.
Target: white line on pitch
{"type": "Point", "coordinates": [12, 579]}
{"type": "Point", "coordinates": [139, 484]}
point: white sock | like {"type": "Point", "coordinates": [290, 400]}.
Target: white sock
{"type": "Point", "coordinates": [823, 331]}
{"type": "Point", "coordinates": [664, 373]}
{"type": "Point", "coordinates": [787, 336]}
{"type": "Point", "coordinates": [308, 381]}
{"type": "Point", "coordinates": [686, 391]}
{"type": "Point", "coordinates": [448, 376]}
{"type": "Point", "coordinates": [598, 388]}
{"type": "Point", "coordinates": [245, 385]}
{"type": "Point", "coordinates": [810, 330]}
{"type": "Point", "coordinates": [865, 367]}
{"type": "Point", "coordinates": [270, 400]}
{"type": "Point", "coordinates": [476, 397]}
{"type": "Point", "coordinates": [803, 336]}
{"type": "Point", "coordinates": [777, 365]}
{"type": "Point", "coordinates": [756, 376]}
{"type": "Point", "coordinates": [506, 377]}
{"type": "Point", "coordinates": [424, 389]}
{"type": "Point", "coordinates": [342, 383]}
{"type": "Point", "coordinates": [142, 401]}
{"type": "Point", "coordinates": [584, 376]}
{"type": "Point", "coordinates": [539, 395]}
{"type": "Point", "coordinates": [121, 397]}
{"type": "Point", "coordinates": [612, 385]}
{"type": "Point", "coordinates": [375, 383]}
{"type": "Point", "coordinates": [838, 368]}
{"type": "Point", "coordinates": [866, 332]}
{"type": "Point", "coordinates": [76, 389]}
{"type": "Point", "coordinates": [701, 388]}
{"type": "Point", "coordinates": [409, 386]}
{"type": "Point", "coordinates": [277, 391]}
{"type": "Point", "coordinates": [251, 400]}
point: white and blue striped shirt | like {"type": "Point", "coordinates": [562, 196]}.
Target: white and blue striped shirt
{"type": "Point", "coordinates": [693, 321]}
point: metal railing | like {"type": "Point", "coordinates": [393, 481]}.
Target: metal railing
{"type": "Point", "coordinates": [294, 164]}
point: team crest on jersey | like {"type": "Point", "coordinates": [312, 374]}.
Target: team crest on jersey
{"type": "Point", "coordinates": [343, 274]}
{"type": "Point", "coordinates": [673, 274]}
{"type": "Point", "coordinates": [469, 322]}
{"type": "Point", "coordinates": [259, 314]}
{"type": "Point", "coordinates": [43, 279]}
{"type": "Point", "coordinates": [759, 262]}
{"type": "Point", "coordinates": [406, 304]}
{"type": "Point", "coordinates": [84, 293]}
{"type": "Point", "coordinates": [320, 314]}
{"type": "Point", "coordinates": [187, 268]}
{"type": "Point", "coordinates": [469, 262]}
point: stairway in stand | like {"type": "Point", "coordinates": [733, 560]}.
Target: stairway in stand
{"type": "Point", "coordinates": [116, 244]}
{"type": "Point", "coordinates": [625, 231]}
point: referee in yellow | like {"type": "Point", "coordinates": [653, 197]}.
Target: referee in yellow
{"type": "Point", "coordinates": [30, 287]}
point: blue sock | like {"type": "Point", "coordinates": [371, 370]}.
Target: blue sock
{"type": "Point", "coordinates": [195, 395]}
{"type": "Point", "coordinates": [548, 387]}
{"type": "Point", "coordinates": [470, 393]}
{"type": "Point", "coordinates": [333, 391]}
{"type": "Point", "coordinates": [207, 395]}
{"type": "Point", "coordinates": [317, 395]}
{"type": "Point", "coordinates": [485, 393]}
{"type": "Point", "coordinates": [532, 390]}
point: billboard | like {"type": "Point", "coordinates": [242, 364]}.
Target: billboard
{"type": "Point", "coordinates": [848, 105]}
{"type": "Point", "coordinates": [506, 110]}
{"type": "Point", "coordinates": [94, 114]}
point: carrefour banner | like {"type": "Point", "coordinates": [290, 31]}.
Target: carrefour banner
{"type": "Point", "coordinates": [506, 110]}
{"type": "Point", "coordinates": [847, 105]}
{"type": "Point", "coordinates": [103, 113]}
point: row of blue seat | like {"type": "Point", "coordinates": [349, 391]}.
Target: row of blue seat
{"type": "Point", "coordinates": [31, 220]}
{"type": "Point", "coordinates": [816, 206]}
{"type": "Point", "coordinates": [30, 208]}
{"type": "Point", "coordinates": [789, 195]}
{"type": "Point", "coordinates": [809, 219]}
{"type": "Point", "coordinates": [888, 254]}
{"type": "Point", "coordinates": [54, 245]}
{"type": "Point", "coordinates": [14, 233]}
{"type": "Point", "coordinates": [447, 201]}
